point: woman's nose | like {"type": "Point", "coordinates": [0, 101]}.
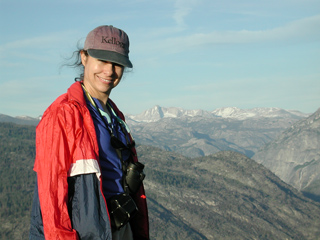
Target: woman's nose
{"type": "Point", "coordinates": [108, 68]}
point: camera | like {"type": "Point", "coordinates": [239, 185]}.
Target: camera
{"type": "Point", "coordinates": [121, 209]}
{"type": "Point", "coordinates": [134, 176]}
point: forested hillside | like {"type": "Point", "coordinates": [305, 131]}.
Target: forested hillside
{"type": "Point", "coordinates": [17, 154]}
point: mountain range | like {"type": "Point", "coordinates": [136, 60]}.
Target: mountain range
{"type": "Point", "coordinates": [196, 133]}
{"type": "Point", "coordinates": [199, 133]}
{"type": "Point", "coordinates": [22, 120]}
{"type": "Point", "coordinates": [156, 113]}
{"type": "Point", "coordinates": [285, 141]}
{"type": "Point", "coordinates": [225, 195]}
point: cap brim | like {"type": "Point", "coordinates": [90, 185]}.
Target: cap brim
{"type": "Point", "coordinates": [110, 56]}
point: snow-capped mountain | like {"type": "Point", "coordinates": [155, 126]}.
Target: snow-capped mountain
{"type": "Point", "coordinates": [25, 120]}
{"type": "Point", "coordinates": [241, 114]}
{"type": "Point", "coordinates": [156, 113]}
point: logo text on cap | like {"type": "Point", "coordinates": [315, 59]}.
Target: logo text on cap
{"type": "Point", "coordinates": [105, 39]}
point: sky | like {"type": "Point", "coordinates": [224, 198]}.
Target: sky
{"type": "Point", "coordinates": [191, 54]}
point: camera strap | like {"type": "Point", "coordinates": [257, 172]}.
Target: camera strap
{"type": "Point", "coordinates": [125, 129]}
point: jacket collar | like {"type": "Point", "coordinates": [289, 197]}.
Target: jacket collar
{"type": "Point", "coordinates": [75, 92]}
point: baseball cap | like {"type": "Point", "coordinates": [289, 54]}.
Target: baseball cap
{"type": "Point", "coordinates": [109, 44]}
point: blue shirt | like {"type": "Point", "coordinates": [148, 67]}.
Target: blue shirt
{"type": "Point", "coordinates": [110, 163]}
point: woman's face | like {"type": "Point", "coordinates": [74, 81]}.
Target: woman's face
{"type": "Point", "coordinates": [100, 77]}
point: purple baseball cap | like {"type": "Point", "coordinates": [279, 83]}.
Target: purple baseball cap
{"type": "Point", "coordinates": [109, 44]}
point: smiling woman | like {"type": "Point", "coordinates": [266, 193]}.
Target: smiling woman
{"type": "Point", "coordinates": [100, 76]}
{"type": "Point", "coordinates": [85, 154]}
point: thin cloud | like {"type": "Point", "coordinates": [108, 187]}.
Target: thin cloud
{"type": "Point", "coordinates": [40, 48]}
{"type": "Point", "coordinates": [182, 9]}
{"type": "Point", "coordinates": [301, 30]}
{"type": "Point", "coordinates": [45, 41]}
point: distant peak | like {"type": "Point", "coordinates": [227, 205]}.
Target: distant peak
{"type": "Point", "coordinates": [157, 112]}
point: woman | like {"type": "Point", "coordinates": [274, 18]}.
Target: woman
{"type": "Point", "coordinates": [85, 154]}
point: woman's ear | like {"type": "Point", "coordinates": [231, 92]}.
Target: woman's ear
{"type": "Point", "coordinates": [83, 57]}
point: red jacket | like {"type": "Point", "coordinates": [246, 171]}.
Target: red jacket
{"type": "Point", "coordinates": [68, 192]}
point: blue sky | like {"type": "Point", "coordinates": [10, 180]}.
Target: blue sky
{"type": "Point", "coordinates": [193, 54]}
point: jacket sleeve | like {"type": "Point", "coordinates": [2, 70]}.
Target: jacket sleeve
{"type": "Point", "coordinates": [54, 142]}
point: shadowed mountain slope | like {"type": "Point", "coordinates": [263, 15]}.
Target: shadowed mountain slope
{"type": "Point", "coordinates": [295, 155]}
{"type": "Point", "coordinates": [223, 196]}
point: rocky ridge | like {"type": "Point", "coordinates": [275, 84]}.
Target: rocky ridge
{"type": "Point", "coordinates": [294, 156]}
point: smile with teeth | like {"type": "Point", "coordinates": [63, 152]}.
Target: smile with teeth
{"type": "Point", "coordinates": [104, 80]}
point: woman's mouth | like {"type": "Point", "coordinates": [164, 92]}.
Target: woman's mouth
{"type": "Point", "coordinates": [105, 80]}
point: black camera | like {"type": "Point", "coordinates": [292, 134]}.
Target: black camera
{"type": "Point", "coordinates": [121, 209]}
{"type": "Point", "coordinates": [134, 176]}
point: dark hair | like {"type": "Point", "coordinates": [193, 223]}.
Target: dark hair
{"type": "Point", "coordinates": [78, 63]}
{"type": "Point", "coordinates": [74, 61]}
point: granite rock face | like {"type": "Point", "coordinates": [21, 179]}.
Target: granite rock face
{"type": "Point", "coordinates": [295, 155]}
